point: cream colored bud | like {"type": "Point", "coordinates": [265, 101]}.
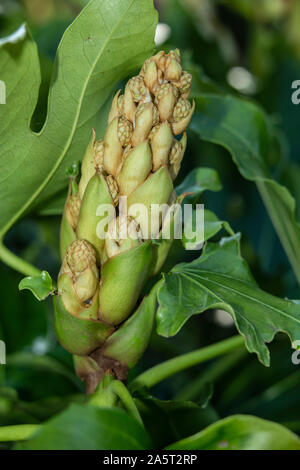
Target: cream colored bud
{"type": "Point", "coordinates": [121, 104]}
{"type": "Point", "coordinates": [124, 131]}
{"type": "Point", "coordinates": [165, 99]}
{"type": "Point", "coordinates": [136, 167]}
{"type": "Point", "coordinates": [182, 115]}
{"type": "Point", "coordinates": [150, 74]}
{"type": "Point", "coordinates": [112, 148]}
{"type": "Point", "coordinates": [72, 209]}
{"type": "Point", "coordinates": [114, 110]}
{"type": "Point", "coordinates": [161, 139]}
{"type": "Point", "coordinates": [79, 277]}
{"type": "Point", "coordinates": [160, 60]}
{"type": "Point", "coordinates": [146, 117]}
{"type": "Point", "coordinates": [176, 155]}
{"type": "Point", "coordinates": [138, 89]}
{"type": "Point", "coordinates": [117, 136]}
{"type": "Point", "coordinates": [129, 107]}
{"type": "Point", "coordinates": [184, 84]}
{"type": "Point", "coordinates": [173, 69]}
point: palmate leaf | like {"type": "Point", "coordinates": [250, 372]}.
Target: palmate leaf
{"type": "Point", "coordinates": [241, 432]}
{"type": "Point", "coordinates": [220, 278]}
{"type": "Point", "coordinates": [108, 40]}
{"type": "Point", "coordinates": [241, 127]}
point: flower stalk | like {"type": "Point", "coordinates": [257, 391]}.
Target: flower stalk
{"type": "Point", "coordinates": [108, 255]}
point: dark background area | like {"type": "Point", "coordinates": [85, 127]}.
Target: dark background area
{"type": "Point", "coordinates": [246, 47]}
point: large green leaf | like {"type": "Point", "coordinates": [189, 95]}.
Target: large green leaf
{"type": "Point", "coordinates": [198, 181]}
{"type": "Point", "coordinates": [241, 432]}
{"type": "Point", "coordinates": [241, 128]}
{"type": "Point", "coordinates": [167, 420]}
{"type": "Point", "coordinates": [220, 278]}
{"type": "Point", "coordinates": [84, 427]}
{"type": "Point", "coordinates": [108, 40]}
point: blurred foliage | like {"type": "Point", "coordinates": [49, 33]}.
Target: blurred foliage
{"type": "Point", "coordinates": [243, 46]}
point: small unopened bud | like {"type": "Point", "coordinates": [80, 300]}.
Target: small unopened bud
{"type": "Point", "coordinates": [160, 60]}
{"type": "Point", "coordinates": [124, 130]}
{"type": "Point", "coordinates": [72, 210]}
{"type": "Point", "coordinates": [136, 167]}
{"type": "Point", "coordinates": [70, 218]}
{"type": "Point", "coordinates": [184, 84]}
{"type": "Point", "coordinates": [161, 139]}
{"type": "Point", "coordinates": [173, 68]}
{"type": "Point", "coordinates": [114, 110]}
{"type": "Point", "coordinates": [117, 136]}
{"type": "Point", "coordinates": [79, 277]}
{"type": "Point", "coordinates": [113, 188]}
{"type": "Point", "coordinates": [150, 74]}
{"type": "Point", "coordinates": [138, 89]}
{"type": "Point", "coordinates": [182, 115]}
{"type": "Point", "coordinates": [165, 99]}
{"type": "Point", "coordinates": [128, 105]}
{"type": "Point", "coordinates": [146, 117]}
{"type": "Point", "coordinates": [176, 155]}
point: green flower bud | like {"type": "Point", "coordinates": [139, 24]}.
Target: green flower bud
{"type": "Point", "coordinates": [157, 189]}
{"type": "Point", "coordinates": [146, 117]}
{"type": "Point", "coordinates": [135, 169]}
{"type": "Point", "coordinates": [122, 279]}
{"type": "Point", "coordinates": [97, 193]}
{"type": "Point", "coordinates": [78, 278]}
{"type": "Point", "coordinates": [182, 115]}
{"type": "Point", "coordinates": [78, 335]}
{"type": "Point", "coordinates": [161, 139]}
{"type": "Point", "coordinates": [87, 166]}
{"type": "Point", "coordinates": [128, 343]}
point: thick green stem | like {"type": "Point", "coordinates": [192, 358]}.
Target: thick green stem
{"type": "Point", "coordinates": [16, 263]}
{"type": "Point", "coordinates": [19, 432]}
{"type": "Point", "coordinates": [122, 392]}
{"type": "Point", "coordinates": [211, 374]}
{"type": "Point", "coordinates": [284, 227]}
{"type": "Point", "coordinates": [166, 369]}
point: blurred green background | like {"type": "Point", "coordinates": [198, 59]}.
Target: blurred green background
{"type": "Point", "coordinates": [246, 47]}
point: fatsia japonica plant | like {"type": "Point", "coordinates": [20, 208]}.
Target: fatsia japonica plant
{"type": "Point", "coordinates": [118, 118]}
